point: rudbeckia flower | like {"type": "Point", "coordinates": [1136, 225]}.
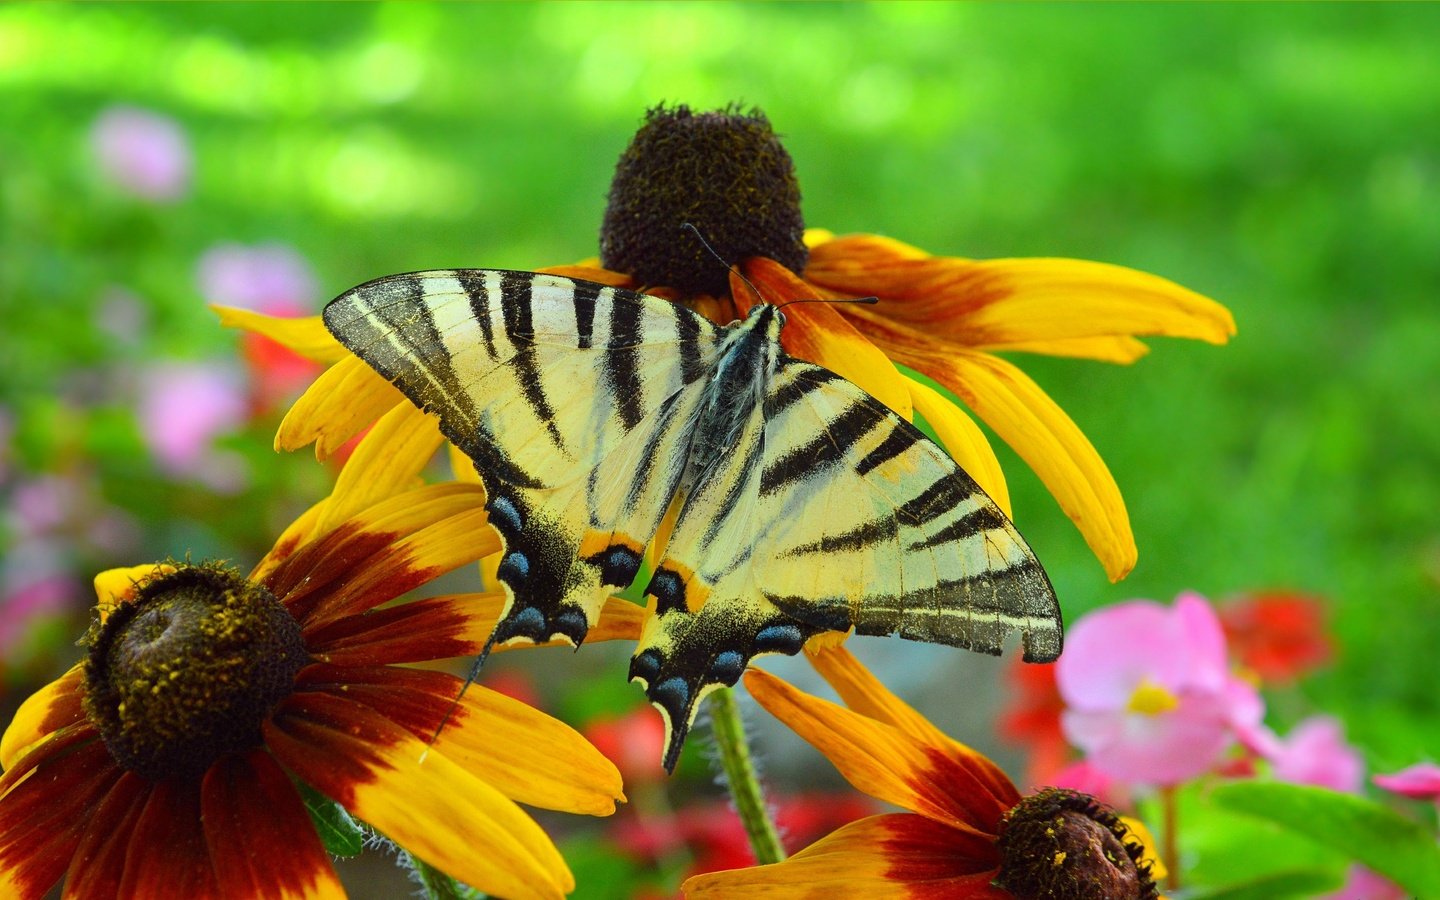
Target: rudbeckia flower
{"type": "Point", "coordinates": [946, 318]}
{"type": "Point", "coordinates": [165, 765]}
{"type": "Point", "coordinates": [968, 833]}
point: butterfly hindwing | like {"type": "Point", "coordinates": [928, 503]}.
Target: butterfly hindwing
{"type": "Point", "coordinates": [571, 399]}
{"type": "Point", "coordinates": [842, 515]}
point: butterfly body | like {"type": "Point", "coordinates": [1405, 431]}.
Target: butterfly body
{"type": "Point", "coordinates": [786, 501]}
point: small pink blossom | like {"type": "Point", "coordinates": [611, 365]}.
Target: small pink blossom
{"type": "Point", "coordinates": [1150, 698]}
{"type": "Point", "coordinates": [26, 605]}
{"type": "Point", "coordinates": [1365, 884]}
{"type": "Point", "coordinates": [269, 278]}
{"type": "Point", "coordinates": [142, 152]}
{"type": "Point", "coordinates": [1421, 781]}
{"type": "Point", "coordinates": [183, 408]}
{"type": "Point", "coordinates": [1315, 752]}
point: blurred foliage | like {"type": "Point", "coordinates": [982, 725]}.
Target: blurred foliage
{"type": "Point", "coordinates": [1284, 160]}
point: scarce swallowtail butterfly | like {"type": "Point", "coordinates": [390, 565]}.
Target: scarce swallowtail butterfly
{"type": "Point", "coordinates": [798, 504]}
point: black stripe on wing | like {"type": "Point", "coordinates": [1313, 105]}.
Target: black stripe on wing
{"type": "Point", "coordinates": [515, 304]}
{"type": "Point", "coordinates": [622, 362]}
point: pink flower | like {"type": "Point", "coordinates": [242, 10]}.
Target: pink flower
{"type": "Point", "coordinates": [1365, 884]}
{"type": "Point", "coordinates": [1315, 752]}
{"type": "Point", "coordinates": [270, 278]}
{"type": "Point", "coordinates": [273, 279]}
{"type": "Point", "coordinates": [183, 408]}
{"type": "Point", "coordinates": [1150, 698]}
{"type": "Point", "coordinates": [1421, 781]}
{"type": "Point", "coordinates": [142, 152]}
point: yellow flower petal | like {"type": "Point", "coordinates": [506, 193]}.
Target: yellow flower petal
{"type": "Point", "coordinates": [1120, 350]}
{"type": "Point", "coordinates": [990, 303]}
{"type": "Point", "coordinates": [1050, 443]}
{"type": "Point", "coordinates": [1146, 840]}
{"type": "Point", "coordinates": [345, 398]}
{"type": "Point", "coordinates": [814, 237]}
{"type": "Point", "coordinates": [296, 535]}
{"type": "Point", "coordinates": [898, 856]}
{"type": "Point", "coordinates": [503, 738]}
{"type": "Point", "coordinates": [863, 693]}
{"type": "Point", "coordinates": [462, 466]}
{"type": "Point", "coordinates": [52, 707]}
{"type": "Point", "coordinates": [818, 333]}
{"type": "Point", "coordinates": [1061, 299]}
{"type": "Point", "coordinates": [387, 461]}
{"type": "Point", "coordinates": [433, 808]}
{"type": "Point", "coordinates": [882, 760]}
{"type": "Point", "coordinates": [306, 336]}
{"type": "Point", "coordinates": [964, 440]}
{"type": "Point", "coordinates": [116, 586]}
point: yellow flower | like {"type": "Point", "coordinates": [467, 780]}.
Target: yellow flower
{"type": "Point", "coordinates": [163, 765]}
{"type": "Point", "coordinates": [968, 832]}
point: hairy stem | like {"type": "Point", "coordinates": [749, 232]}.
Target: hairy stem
{"type": "Point", "coordinates": [741, 778]}
{"type": "Point", "coordinates": [436, 884]}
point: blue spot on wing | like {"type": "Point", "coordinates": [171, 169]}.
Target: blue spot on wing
{"type": "Point", "coordinates": [779, 639]}
{"type": "Point", "coordinates": [727, 667]}
{"type": "Point", "coordinates": [514, 566]}
{"type": "Point", "coordinates": [505, 514]}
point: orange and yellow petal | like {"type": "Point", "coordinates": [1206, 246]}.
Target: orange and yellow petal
{"type": "Point", "coordinates": [260, 837]}
{"type": "Point", "coordinates": [818, 333]}
{"type": "Point", "coordinates": [884, 761]}
{"type": "Point", "coordinates": [46, 798]}
{"type": "Point", "coordinates": [97, 867]}
{"type": "Point", "coordinates": [53, 707]}
{"type": "Point", "coordinates": [865, 694]}
{"type": "Point", "coordinates": [306, 336]}
{"type": "Point", "coordinates": [346, 398]}
{"type": "Point", "coordinates": [964, 441]}
{"type": "Point", "coordinates": [1120, 350]}
{"type": "Point", "coordinates": [445, 628]}
{"type": "Point", "coordinates": [899, 856]}
{"type": "Point", "coordinates": [168, 855]}
{"type": "Point", "coordinates": [529, 756]}
{"type": "Point", "coordinates": [435, 809]}
{"type": "Point", "coordinates": [1038, 430]}
{"type": "Point", "coordinates": [386, 462]}
{"type": "Point", "coordinates": [984, 303]}
{"type": "Point", "coordinates": [393, 547]}
{"type": "Point", "coordinates": [1053, 445]}
{"type": "Point", "coordinates": [116, 586]}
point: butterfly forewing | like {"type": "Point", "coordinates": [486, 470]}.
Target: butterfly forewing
{"type": "Point", "coordinates": [571, 399]}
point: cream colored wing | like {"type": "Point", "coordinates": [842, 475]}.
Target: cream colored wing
{"type": "Point", "coordinates": [833, 513]}
{"type": "Point", "coordinates": [572, 399]}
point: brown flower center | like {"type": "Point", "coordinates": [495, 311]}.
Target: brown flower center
{"type": "Point", "coordinates": [187, 671]}
{"type": "Point", "coordinates": [723, 172]}
{"type": "Point", "coordinates": [1064, 844]}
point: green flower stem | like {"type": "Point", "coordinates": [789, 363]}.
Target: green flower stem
{"type": "Point", "coordinates": [741, 778]}
{"type": "Point", "coordinates": [436, 884]}
{"type": "Point", "coordinates": [1170, 854]}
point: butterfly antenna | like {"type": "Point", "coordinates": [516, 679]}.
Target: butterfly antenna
{"type": "Point", "coordinates": [868, 301]}
{"type": "Point", "coordinates": [706, 244]}
{"type": "Point", "coordinates": [469, 680]}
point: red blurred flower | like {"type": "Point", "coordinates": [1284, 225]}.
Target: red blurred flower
{"type": "Point", "coordinates": [1031, 721]}
{"type": "Point", "coordinates": [715, 838]}
{"type": "Point", "coordinates": [1279, 635]}
{"type": "Point", "coordinates": [632, 741]}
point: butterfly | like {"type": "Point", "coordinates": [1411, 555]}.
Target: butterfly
{"type": "Point", "coordinates": [777, 500]}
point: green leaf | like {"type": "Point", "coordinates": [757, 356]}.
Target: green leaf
{"type": "Point", "coordinates": [1363, 830]}
{"type": "Point", "coordinates": [341, 834]}
{"type": "Point", "coordinates": [1278, 886]}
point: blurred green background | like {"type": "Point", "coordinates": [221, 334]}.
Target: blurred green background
{"type": "Point", "coordinates": [1284, 160]}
